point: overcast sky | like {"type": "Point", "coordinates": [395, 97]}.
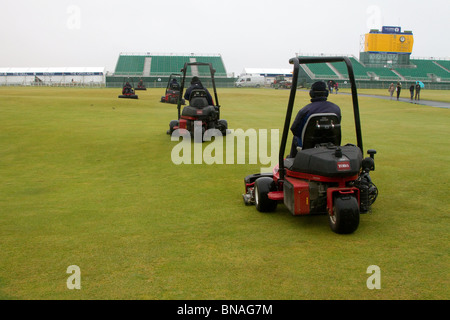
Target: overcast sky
{"type": "Point", "coordinates": [247, 33]}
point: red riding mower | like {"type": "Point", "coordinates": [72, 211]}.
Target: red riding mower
{"type": "Point", "coordinates": [199, 111]}
{"type": "Point", "coordinates": [128, 89]}
{"type": "Point", "coordinates": [172, 90]}
{"type": "Point", "coordinates": [324, 177]}
{"type": "Point", "coordinates": [141, 85]}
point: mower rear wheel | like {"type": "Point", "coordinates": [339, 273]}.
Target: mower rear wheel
{"type": "Point", "coordinates": [345, 217]}
{"type": "Point", "coordinates": [262, 189]}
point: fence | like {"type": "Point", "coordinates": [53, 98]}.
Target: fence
{"type": "Point", "coordinates": [161, 82]}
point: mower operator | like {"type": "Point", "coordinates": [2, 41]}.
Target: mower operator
{"type": "Point", "coordinates": [174, 85]}
{"type": "Point", "coordinates": [319, 104]}
{"type": "Point", "coordinates": [196, 84]}
{"type": "Point", "coordinates": [126, 88]}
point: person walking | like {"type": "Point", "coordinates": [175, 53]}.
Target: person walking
{"type": "Point", "coordinates": [417, 91]}
{"type": "Point", "coordinates": [330, 86]}
{"type": "Point", "coordinates": [411, 90]}
{"type": "Point", "coordinates": [391, 89]}
{"type": "Point", "coordinates": [399, 89]}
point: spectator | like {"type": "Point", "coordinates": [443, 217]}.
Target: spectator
{"type": "Point", "coordinates": [330, 86]}
{"type": "Point", "coordinates": [398, 88]}
{"type": "Point", "coordinates": [391, 89]}
{"type": "Point", "coordinates": [411, 90]}
{"type": "Point", "coordinates": [417, 90]}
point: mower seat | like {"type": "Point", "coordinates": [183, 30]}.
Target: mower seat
{"type": "Point", "coordinates": [175, 87]}
{"type": "Point", "coordinates": [321, 128]}
{"type": "Point", "coordinates": [197, 98]}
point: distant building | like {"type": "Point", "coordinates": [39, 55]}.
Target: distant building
{"type": "Point", "coordinates": [64, 76]}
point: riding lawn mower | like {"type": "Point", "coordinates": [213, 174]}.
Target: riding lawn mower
{"type": "Point", "coordinates": [128, 89]}
{"type": "Point", "coordinates": [324, 177]}
{"type": "Point", "coordinates": [199, 111]}
{"type": "Point", "coordinates": [172, 90]}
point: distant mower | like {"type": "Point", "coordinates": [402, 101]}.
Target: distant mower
{"type": "Point", "coordinates": [141, 85]}
{"type": "Point", "coordinates": [324, 177]}
{"type": "Point", "coordinates": [281, 82]}
{"type": "Point", "coordinates": [173, 90]}
{"type": "Point", "coordinates": [128, 89]}
{"type": "Point", "coordinates": [199, 110]}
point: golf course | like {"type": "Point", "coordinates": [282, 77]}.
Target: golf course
{"type": "Point", "coordinates": [89, 180]}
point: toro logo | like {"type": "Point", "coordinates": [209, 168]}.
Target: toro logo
{"type": "Point", "coordinates": [343, 166]}
{"type": "Point", "coordinates": [199, 111]}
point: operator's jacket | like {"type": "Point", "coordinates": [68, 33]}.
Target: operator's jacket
{"type": "Point", "coordinates": [198, 86]}
{"type": "Point", "coordinates": [126, 88]}
{"type": "Point", "coordinates": [317, 105]}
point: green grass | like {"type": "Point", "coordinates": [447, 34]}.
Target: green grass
{"type": "Point", "coordinates": [87, 180]}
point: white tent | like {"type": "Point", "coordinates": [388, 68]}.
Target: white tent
{"type": "Point", "coordinates": [53, 76]}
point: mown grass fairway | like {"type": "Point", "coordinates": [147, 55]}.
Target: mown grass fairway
{"type": "Point", "coordinates": [87, 180]}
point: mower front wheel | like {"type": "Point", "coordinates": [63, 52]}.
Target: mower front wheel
{"type": "Point", "coordinates": [223, 126]}
{"type": "Point", "coordinates": [172, 125]}
{"type": "Point", "coordinates": [263, 186]}
{"type": "Point", "coordinates": [345, 217]}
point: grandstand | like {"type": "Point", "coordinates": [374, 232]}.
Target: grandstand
{"type": "Point", "coordinates": [433, 72]}
{"type": "Point", "coordinates": [155, 69]}
{"type": "Point", "coordinates": [386, 59]}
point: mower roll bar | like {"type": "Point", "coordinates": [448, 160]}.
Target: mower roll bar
{"type": "Point", "coordinates": [172, 75]}
{"type": "Point", "coordinates": [184, 71]}
{"type": "Point", "coordinates": [127, 79]}
{"type": "Point", "coordinates": [296, 61]}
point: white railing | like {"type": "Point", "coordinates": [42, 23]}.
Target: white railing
{"type": "Point", "coordinates": [430, 58]}
{"type": "Point", "coordinates": [170, 54]}
{"type": "Point", "coordinates": [54, 84]}
{"type": "Point", "coordinates": [324, 55]}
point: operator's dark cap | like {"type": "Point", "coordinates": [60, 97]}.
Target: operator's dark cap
{"type": "Point", "coordinates": [318, 91]}
{"type": "Point", "coordinates": [195, 79]}
{"type": "Point", "coordinates": [319, 86]}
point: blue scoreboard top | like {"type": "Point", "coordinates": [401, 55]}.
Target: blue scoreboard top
{"type": "Point", "coordinates": [390, 30]}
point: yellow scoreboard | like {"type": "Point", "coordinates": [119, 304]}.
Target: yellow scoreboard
{"type": "Point", "coordinates": [389, 40]}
